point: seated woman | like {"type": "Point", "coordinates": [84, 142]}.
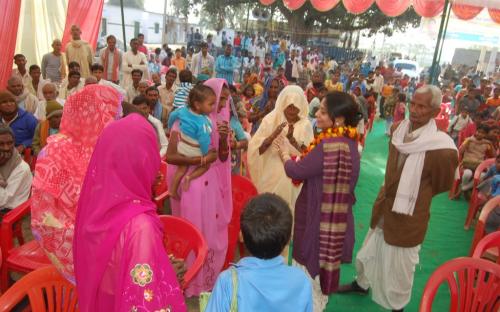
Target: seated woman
{"type": "Point", "coordinates": [120, 261]}
{"type": "Point", "coordinates": [61, 168]}
{"type": "Point", "coordinates": [208, 202]}
{"type": "Point", "coordinates": [289, 118]}
{"type": "Point", "coordinates": [330, 170]}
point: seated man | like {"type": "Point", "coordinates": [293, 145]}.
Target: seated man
{"type": "Point", "coordinates": [263, 281]}
{"type": "Point", "coordinates": [21, 122]}
{"type": "Point", "coordinates": [50, 94]}
{"type": "Point", "coordinates": [15, 174]}
{"type": "Point", "coordinates": [74, 85]}
{"type": "Point", "coordinates": [141, 103]}
{"type": "Point", "coordinates": [47, 127]}
{"type": "Point", "coordinates": [23, 98]}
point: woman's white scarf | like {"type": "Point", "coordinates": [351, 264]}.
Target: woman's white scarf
{"type": "Point", "coordinates": [430, 139]}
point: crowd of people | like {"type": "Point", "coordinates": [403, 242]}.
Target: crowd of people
{"type": "Point", "coordinates": [291, 119]}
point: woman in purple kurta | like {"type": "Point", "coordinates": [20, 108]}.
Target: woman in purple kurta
{"type": "Point", "coordinates": [329, 172]}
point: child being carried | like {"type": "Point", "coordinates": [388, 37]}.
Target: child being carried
{"type": "Point", "coordinates": [194, 135]}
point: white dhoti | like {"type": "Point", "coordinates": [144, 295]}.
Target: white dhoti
{"type": "Point", "coordinates": [387, 269]}
{"type": "Point", "coordinates": [319, 299]}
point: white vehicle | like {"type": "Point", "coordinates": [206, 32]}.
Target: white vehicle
{"type": "Point", "coordinates": [407, 67]}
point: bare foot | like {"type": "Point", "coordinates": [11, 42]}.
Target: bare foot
{"type": "Point", "coordinates": [174, 194]}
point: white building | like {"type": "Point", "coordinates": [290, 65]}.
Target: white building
{"type": "Point", "coordinates": [140, 21]}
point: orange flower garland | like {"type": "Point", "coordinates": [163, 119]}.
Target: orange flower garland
{"type": "Point", "coordinates": [349, 132]}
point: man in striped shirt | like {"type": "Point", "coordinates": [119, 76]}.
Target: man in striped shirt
{"type": "Point", "coordinates": [225, 65]}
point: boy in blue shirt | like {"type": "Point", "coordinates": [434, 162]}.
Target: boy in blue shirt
{"type": "Point", "coordinates": [195, 130]}
{"type": "Point", "coordinates": [264, 282]}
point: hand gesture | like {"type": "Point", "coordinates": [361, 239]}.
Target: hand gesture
{"type": "Point", "coordinates": [211, 156]}
{"type": "Point", "coordinates": [223, 129]}
{"type": "Point", "coordinates": [279, 129]}
{"type": "Point", "coordinates": [289, 134]}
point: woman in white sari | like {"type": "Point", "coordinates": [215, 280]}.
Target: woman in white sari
{"type": "Point", "coordinates": [289, 119]}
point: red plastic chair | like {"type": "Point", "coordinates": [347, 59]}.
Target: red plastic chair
{"type": "Point", "coordinates": [243, 190]}
{"type": "Point", "coordinates": [24, 258]}
{"type": "Point", "coordinates": [46, 290]}
{"type": "Point", "coordinates": [489, 247]}
{"type": "Point", "coordinates": [161, 189]}
{"type": "Point", "coordinates": [474, 285]}
{"type": "Point", "coordinates": [455, 189]}
{"type": "Point", "coordinates": [479, 231]}
{"type": "Point", "coordinates": [181, 238]}
{"type": "Point", "coordinates": [477, 198]}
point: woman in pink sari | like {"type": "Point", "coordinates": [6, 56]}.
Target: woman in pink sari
{"type": "Point", "coordinates": [208, 202]}
{"type": "Point", "coordinates": [61, 168]}
{"type": "Point", "coordinates": [120, 261]}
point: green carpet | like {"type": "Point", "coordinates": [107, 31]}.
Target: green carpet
{"type": "Point", "coordinates": [446, 238]}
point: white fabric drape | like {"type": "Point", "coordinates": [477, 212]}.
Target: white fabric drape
{"type": "Point", "coordinates": [40, 22]}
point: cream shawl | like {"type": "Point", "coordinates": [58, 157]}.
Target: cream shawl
{"type": "Point", "coordinates": [266, 170]}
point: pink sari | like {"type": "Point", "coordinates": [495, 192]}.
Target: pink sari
{"type": "Point", "coordinates": [208, 203]}
{"type": "Point", "coordinates": [61, 167]}
{"type": "Point", "coordinates": [120, 261]}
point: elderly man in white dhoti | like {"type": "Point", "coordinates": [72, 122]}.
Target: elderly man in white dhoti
{"type": "Point", "coordinates": [422, 162]}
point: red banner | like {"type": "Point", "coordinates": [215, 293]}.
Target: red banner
{"type": "Point", "coordinates": [86, 14]}
{"type": "Point", "coordinates": [357, 6]}
{"type": "Point", "coordinates": [465, 12]}
{"type": "Point", "coordinates": [428, 8]}
{"type": "Point", "coordinates": [294, 4]}
{"type": "Point", "coordinates": [495, 15]}
{"type": "Point", "coordinates": [393, 7]}
{"type": "Point", "coordinates": [324, 5]}
{"type": "Point", "coordinates": [266, 2]}
{"type": "Point", "coordinates": [8, 24]}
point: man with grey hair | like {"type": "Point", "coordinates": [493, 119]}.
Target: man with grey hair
{"type": "Point", "coordinates": [421, 164]}
{"type": "Point", "coordinates": [24, 99]}
{"type": "Point", "coordinates": [15, 174]}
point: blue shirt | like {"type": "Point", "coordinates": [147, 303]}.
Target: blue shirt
{"type": "Point", "coordinates": [264, 286]}
{"type": "Point", "coordinates": [237, 128]}
{"type": "Point", "coordinates": [196, 126]}
{"type": "Point", "coordinates": [24, 126]}
{"type": "Point", "coordinates": [224, 67]}
{"type": "Point", "coordinates": [181, 94]}
{"type": "Point", "coordinates": [158, 111]}
{"type": "Point", "coordinates": [495, 186]}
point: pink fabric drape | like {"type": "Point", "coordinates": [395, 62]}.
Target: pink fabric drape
{"type": "Point", "coordinates": [357, 6]}
{"type": "Point", "coordinates": [466, 12]}
{"type": "Point", "coordinates": [428, 8]}
{"type": "Point", "coordinates": [266, 2]}
{"type": "Point", "coordinates": [324, 5]}
{"type": "Point", "coordinates": [393, 7]}
{"type": "Point", "coordinates": [8, 24]}
{"type": "Point", "coordinates": [87, 14]}
{"type": "Point", "coordinates": [495, 15]}
{"type": "Point", "coordinates": [294, 4]}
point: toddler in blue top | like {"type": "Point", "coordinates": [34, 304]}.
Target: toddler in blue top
{"type": "Point", "coordinates": [194, 135]}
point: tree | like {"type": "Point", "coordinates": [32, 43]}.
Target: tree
{"type": "Point", "coordinates": [306, 20]}
{"type": "Point", "coordinates": [137, 4]}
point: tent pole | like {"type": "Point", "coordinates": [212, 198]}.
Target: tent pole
{"type": "Point", "coordinates": [444, 34]}
{"type": "Point", "coordinates": [433, 78]}
{"type": "Point", "coordinates": [246, 31]}
{"type": "Point", "coordinates": [123, 27]}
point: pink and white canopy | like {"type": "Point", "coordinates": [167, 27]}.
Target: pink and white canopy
{"type": "Point", "coordinates": [463, 9]}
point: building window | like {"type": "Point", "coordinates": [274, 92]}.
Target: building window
{"type": "Point", "coordinates": [157, 28]}
{"type": "Point", "coordinates": [137, 28]}
{"type": "Point", "coordinates": [104, 27]}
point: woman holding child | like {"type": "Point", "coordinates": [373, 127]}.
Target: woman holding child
{"type": "Point", "coordinates": [207, 202]}
{"type": "Point", "coordinates": [329, 169]}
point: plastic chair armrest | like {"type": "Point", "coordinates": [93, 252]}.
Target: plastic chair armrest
{"type": "Point", "coordinates": [8, 221]}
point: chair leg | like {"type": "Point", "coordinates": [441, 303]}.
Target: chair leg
{"type": "Point", "coordinates": [4, 277]}
{"type": "Point", "coordinates": [18, 232]}
{"type": "Point", "coordinates": [471, 213]}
